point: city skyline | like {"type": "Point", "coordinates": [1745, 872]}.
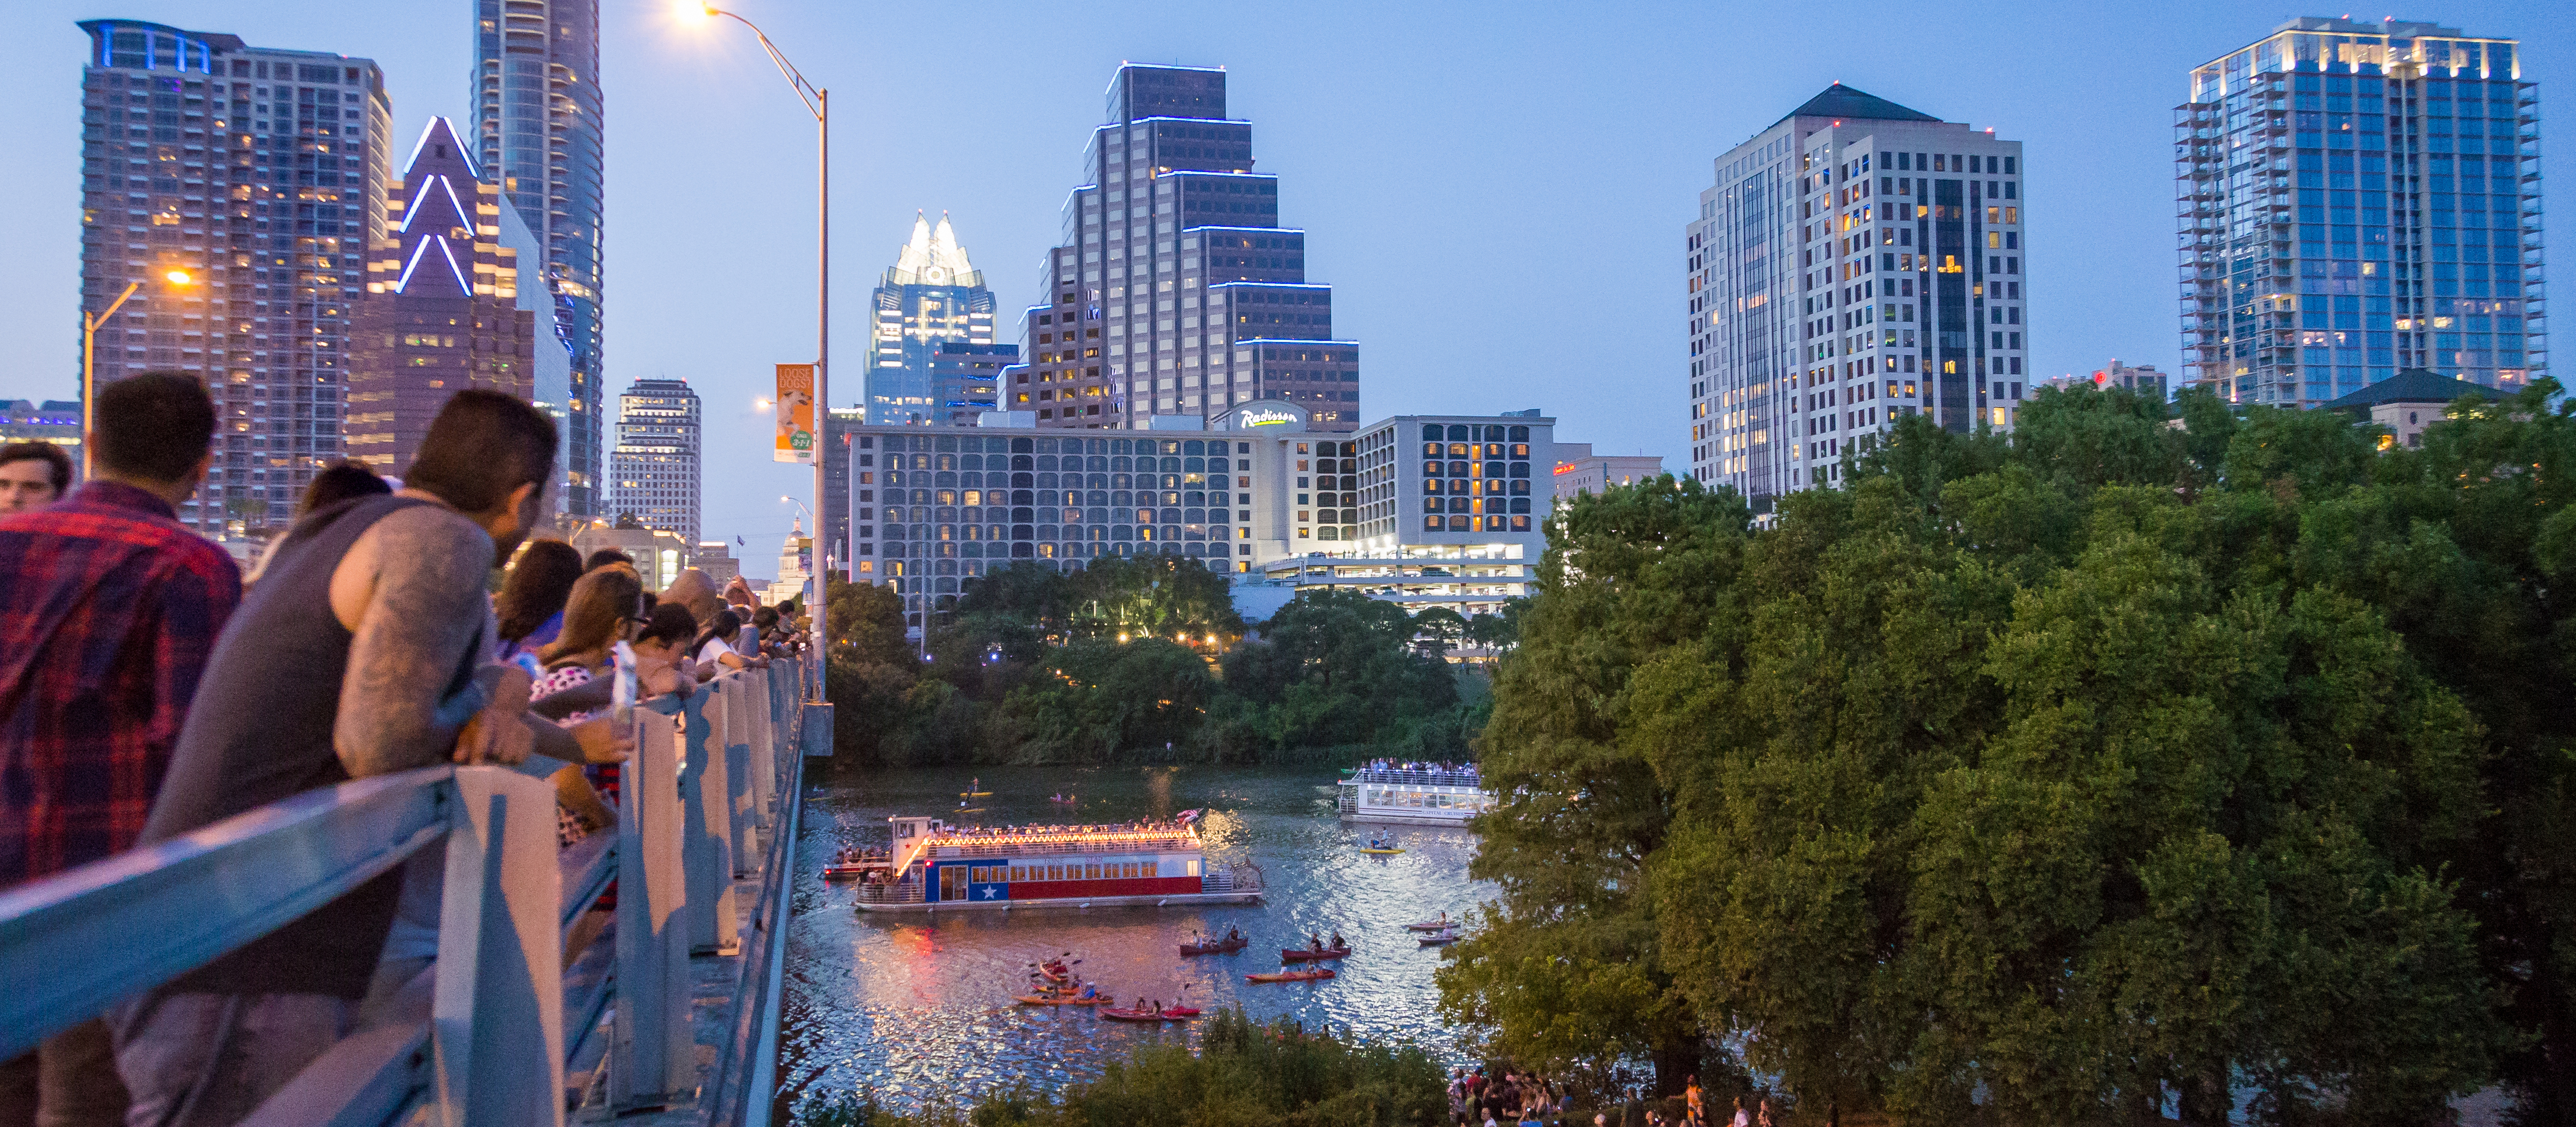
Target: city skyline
{"type": "Point", "coordinates": [1561, 146]}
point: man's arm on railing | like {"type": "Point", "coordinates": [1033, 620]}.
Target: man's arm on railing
{"type": "Point", "coordinates": [411, 594]}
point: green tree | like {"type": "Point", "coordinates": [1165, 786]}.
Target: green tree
{"type": "Point", "coordinates": [1335, 667]}
{"type": "Point", "coordinates": [866, 622]}
{"type": "Point", "coordinates": [1164, 596]}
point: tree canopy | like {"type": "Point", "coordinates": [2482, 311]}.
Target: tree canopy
{"type": "Point", "coordinates": [2108, 769]}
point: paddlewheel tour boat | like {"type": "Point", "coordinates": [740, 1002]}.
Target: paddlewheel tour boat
{"type": "Point", "coordinates": [1414, 797]}
{"type": "Point", "coordinates": [934, 865]}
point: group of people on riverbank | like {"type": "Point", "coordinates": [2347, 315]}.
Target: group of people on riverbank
{"type": "Point", "coordinates": [149, 690]}
{"type": "Point", "coordinates": [1477, 1100]}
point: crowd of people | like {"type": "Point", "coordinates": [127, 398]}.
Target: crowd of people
{"type": "Point", "coordinates": [1527, 1100]}
{"type": "Point", "coordinates": [149, 688]}
{"type": "Point", "coordinates": [1422, 767]}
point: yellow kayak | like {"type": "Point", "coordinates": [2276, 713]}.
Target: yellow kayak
{"type": "Point", "coordinates": [1383, 852]}
{"type": "Point", "coordinates": [974, 794]}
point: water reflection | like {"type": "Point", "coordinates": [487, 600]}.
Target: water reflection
{"type": "Point", "coordinates": [920, 1006]}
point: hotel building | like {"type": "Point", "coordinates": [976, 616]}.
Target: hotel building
{"type": "Point", "coordinates": [1175, 290]}
{"type": "Point", "coordinates": [2357, 198]}
{"type": "Point", "coordinates": [261, 174]}
{"type": "Point", "coordinates": [1855, 261]}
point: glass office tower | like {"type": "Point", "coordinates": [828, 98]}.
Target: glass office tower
{"type": "Point", "coordinates": [540, 133]}
{"type": "Point", "coordinates": [932, 296]}
{"type": "Point", "coordinates": [2357, 198]}
{"type": "Point", "coordinates": [1175, 291]}
{"type": "Point", "coordinates": [261, 174]}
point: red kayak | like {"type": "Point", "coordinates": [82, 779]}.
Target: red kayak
{"type": "Point", "coordinates": [1314, 975]}
{"type": "Point", "coordinates": [1143, 1015]}
{"type": "Point", "coordinates": [1180, 1011]}
{"type": "Point", "coordinates": [1216, 947]}
{"type": "Point", "coordinates": [1309, 955]}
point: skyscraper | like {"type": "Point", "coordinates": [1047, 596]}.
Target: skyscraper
{"type": "Point", "coordinates": [930, 297]}
{"type": "Point", "coordinates": [540, 134]}
{"type": "Point", "coordinates": [2358, 198]}
{"type": "Point", "coordinates": [1175, 291]}
{"type": "Point", "coordinates": [261, 174]}
{"type": "Point", "coordinates": [441, 312]}
{"type": "Point", "coordinates": [1855, 261]}
{"type": "Point", "coordinates": [653, 476]}
{"type": "Point", "coordinates": [963, 378]}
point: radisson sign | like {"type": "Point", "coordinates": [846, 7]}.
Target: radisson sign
{"type": "Point", "coordinates": [1262, 417]}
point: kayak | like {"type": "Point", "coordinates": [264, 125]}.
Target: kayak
{"type": "Point", "coordinates": [1216, 947]}
{"type": "Point", "coordinates": [968, 810]}
{"type": "Point", "coordinates": [1432, 925]}
{"type": "Point", "coordinates": [974, 794]}
{"type": "Point", "coordinates": [1295, 955]}
{"type": "Point", "coordinates": [1042, 1000]}
{"type": "Point", "coordinates": [1381, 852]}
{"type": "Point", "coordinates": [1439, 939]}
{"type": "Point", "coordinates": [1314, 975]}
{"type": "Point", "coordinates": [1141, 1015]}
{"type": "Point", "coordinates": [1180, 1011]}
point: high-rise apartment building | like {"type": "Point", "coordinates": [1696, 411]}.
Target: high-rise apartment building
{"type": "Point", "coordinates": [540, 135]}
{"type": "Point", "coordinates": [1855, 261]}
{"type": "Point", "coordinates": [932, 296]}
{"type": "Point", "coordinates": [441, 312]}
{"type": "Point", "coordinates": [653, 475]}
{"type": "Point", "coordinates": [260, 173]}
{"type": "Point", "coordinates": [1175, 290]}
{"type": "Point", "coordinates": [2357, 198]}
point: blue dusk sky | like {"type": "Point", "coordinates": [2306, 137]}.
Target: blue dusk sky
{"type": "Point", "coordinates": [1496, 192]}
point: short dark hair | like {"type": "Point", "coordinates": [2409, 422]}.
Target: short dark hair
{"type": "Point", "coordinates": [669, 623]}
{"type": "Point", "coordinates": [156, 425]}
{"type": "Point", "coordinates": [482, 445]}
{"type": "Point", "coordinates": [340, 481]}
{"type": "Point", "coordinates": [58, 464]}
{"type": "Point", "coordinates": [604, 557]}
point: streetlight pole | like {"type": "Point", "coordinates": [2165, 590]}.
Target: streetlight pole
{"type": "Point", "coordinates": [89, 360]}
{"type": "Point", "coordinates": [819, 103]}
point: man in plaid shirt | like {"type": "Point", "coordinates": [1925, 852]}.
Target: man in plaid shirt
{"type": "Point", "coordinates": [108, 610]}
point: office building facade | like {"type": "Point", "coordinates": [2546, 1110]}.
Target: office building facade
{"type": "Point", "coordinates": [653, 475]}
{"type": "Point", "coordinates": [441, 310]}
{"type": "Point", "coordinates": [1855, 261]}
{"type": "Point", "coordinates": [964, 378]}
{"type": "Point", "coordinates": [261, 174]}
{"type": "Point", "coordinates": [2357, 198]}
{"type": "Point", "coordinates": [1175, 291]}
{"type": "Point", "coordinates": [1578, 470]}
{"type": "Point", "coordinates": [838, 425]}
{"type": "Point", "coordinates": [931, 297]}
{"type": "Point", "coordinates": [540, 135]}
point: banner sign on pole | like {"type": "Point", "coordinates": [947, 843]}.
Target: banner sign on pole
{"type": "Point", "coordinates": [795, 413]}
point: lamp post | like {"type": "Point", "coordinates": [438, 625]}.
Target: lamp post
{"type": "Point", "coordinates": [89, 360]}
{"type": "Point", "coordinates": [819, 103]}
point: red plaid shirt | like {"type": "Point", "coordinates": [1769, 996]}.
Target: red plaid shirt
{"type": "Point", "coordinates": [108, 610]}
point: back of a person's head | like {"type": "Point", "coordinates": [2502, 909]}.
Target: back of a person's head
{"type": "Point", "coordinates": [156, 426]}
{"type": "Point", "coordinates": [339, 482]}
{"type": "Point", "coordinates": [540, 582]}
{"type": "Point", "coordinates": [606, 557]}
{"type": "Point", "coordinates": [765, 617]}
{"type": "Point", "coordinates": [695, 591]}
{"type": "Point", "coordinates": [482, 445]}
{"type": "Point", "coordinates": [670, 624]}
{"type": "Point", "coordinates": [602, 602]}
{"type": "Point", "coordinates": [58, 465]}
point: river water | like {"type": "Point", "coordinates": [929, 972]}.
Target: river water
{"type": "Point", "coordinates": [918, 1007]}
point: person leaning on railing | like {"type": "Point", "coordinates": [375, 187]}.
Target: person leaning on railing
{"type": "Point", "coordinates": [367, 651]}
{"type": "Point", "coordinates": [109, 608]}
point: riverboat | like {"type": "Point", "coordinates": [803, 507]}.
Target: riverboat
{"type": "Point", "coordinates": [1409, 797]}
{"type": "Point", "coordinates": [934, 866]}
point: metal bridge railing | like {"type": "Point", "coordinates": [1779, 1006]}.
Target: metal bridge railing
{"type": "Point", "coordinates": [484, 1039]}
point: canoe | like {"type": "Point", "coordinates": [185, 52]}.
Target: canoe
{"type": "Point", "coordinates": [1432, 925]}
{"type": "Point", "coordinates": [1217, 948]}
{"type": "Point", "coordinates": [1438, 939]}
{"type": "Point", "coordinates": [1317, 974]}
{"type": "Point", "coordinates": [1180, 1011]}
{"type": "Point", "coordinates": [1042, 1000]}
{"type": "Point", "coordinates": [1140, 1015]}
{"type": "Point", "coordinates": [1381, 852]}
{"type": "Point", "coordinates": [1296, 955]}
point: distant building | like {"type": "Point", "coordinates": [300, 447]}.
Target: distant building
{"type": "Point", "coordinates": [796, 564]}
{"type": "Point", "coordinates": [837, 427]}
{"type": "Point", "coordinates": [1176, 291]}
{"type": "Point", "coordinates": [2408, 402]}
{"type": "Point", "coordinates": [2143, 379]}
{"type": "Point", "coordinates": [261, 174]}
{"type": "Point", "coordinates": [441, 312]}
{"type": "Point", "coordinates": [660, 556]}
{"type": "Point", "coordinates": [540, 132]}
{"type": "Point", "coordinates": [715, 558]}
{"type": "Point", "coordinates": [653, 475]}
{"type": "Point", "coordinates": [1579, 470]}
{"type": "Point", "coordinates": [57, 421]}
{"type": "Point", "coordinates": [963, 377]}
{"type": "Point", "coordinates": [2358, 197]}
{"type": "Point", "coordinates": [1855, 261]}
{"type": "Point", "coordinates": [932, 296]}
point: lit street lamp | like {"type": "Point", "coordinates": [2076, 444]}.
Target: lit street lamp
{"type": "Point", "coordinates": [819, 103]}
{"type": "Point", "coordinates": [89, 358]}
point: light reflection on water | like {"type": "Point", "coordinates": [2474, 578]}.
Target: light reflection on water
{"type": "Point", "coordinates": [918, 1007]}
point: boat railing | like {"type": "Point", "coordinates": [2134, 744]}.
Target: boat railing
{"type": "Point", "coordinates": [487, 1032]}
{"type": "Point", "coordinates": [969, 847]}
{"type": "Point", "coordinates": [897, 892]}
{"type": "Point", "coordinates": [1418, 778]}
{"type": "Point", "coordinates": [1236, 878]}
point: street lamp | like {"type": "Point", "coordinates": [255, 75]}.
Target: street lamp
{"type": "Point", "coordinates": [819, 103]}
{"type": "Point", "coordinates": [89, 359]}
